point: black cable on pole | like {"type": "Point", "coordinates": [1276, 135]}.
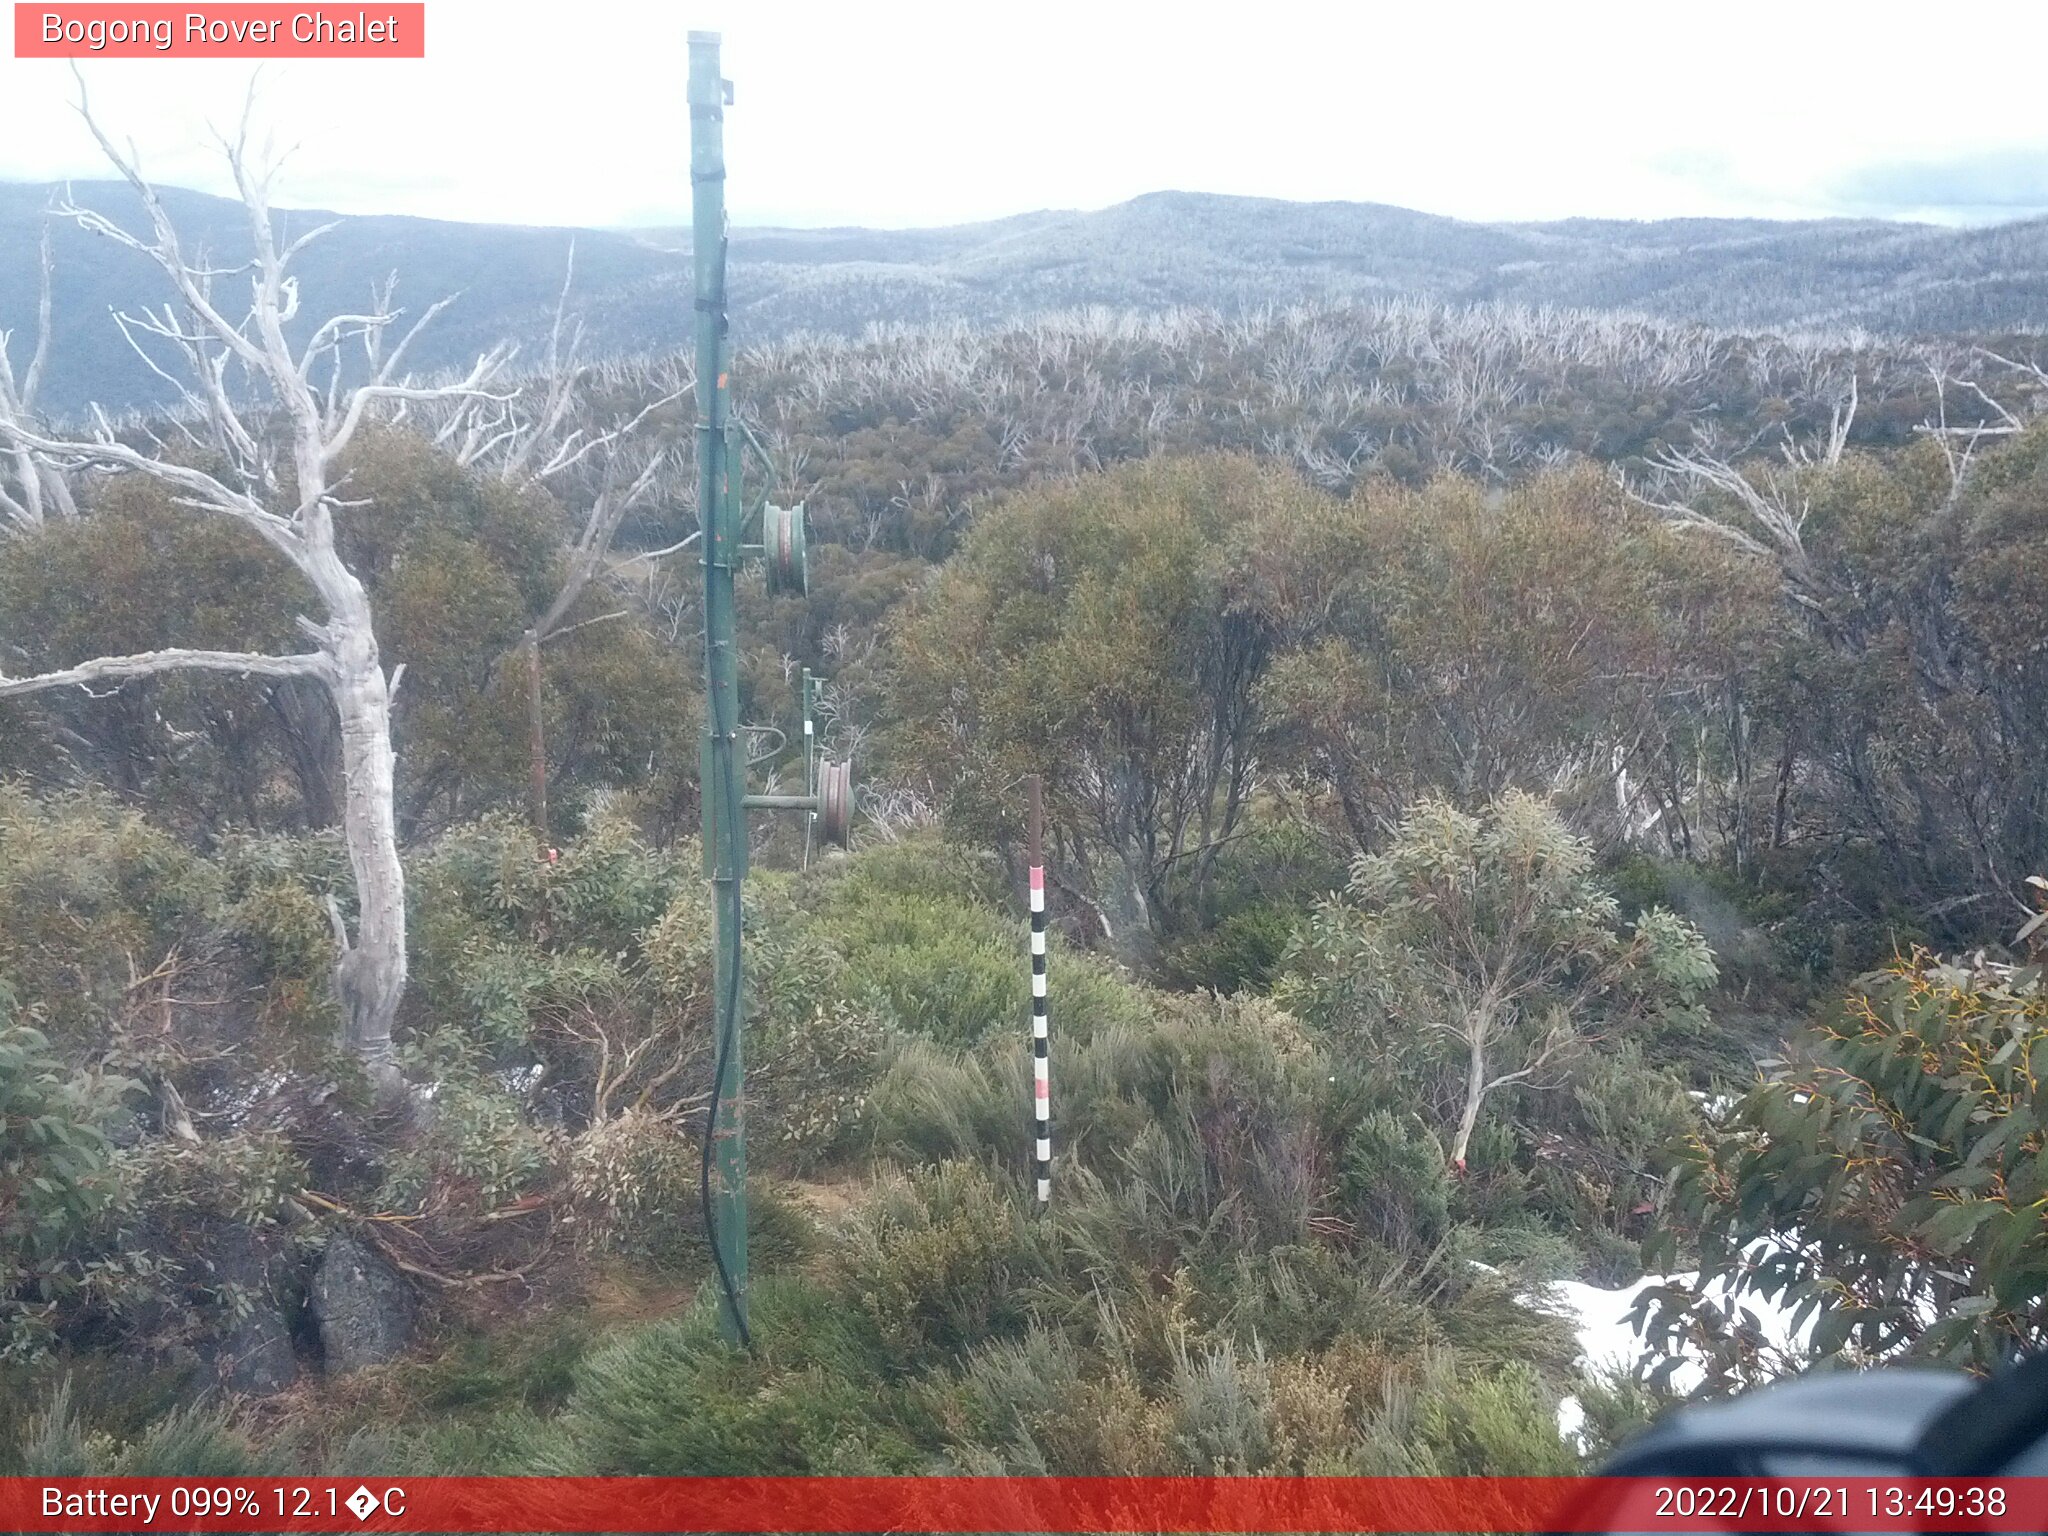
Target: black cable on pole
{"type": "Point", "coordinates": [732, 1295]}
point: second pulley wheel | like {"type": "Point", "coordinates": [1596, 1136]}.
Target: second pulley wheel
{"type": "Point", "coordinates": [835, 802]}
{"type": "Point", "coordinates": [782, 542]}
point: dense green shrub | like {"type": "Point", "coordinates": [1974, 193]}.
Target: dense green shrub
{"type": "Point", "coordinates": [476, 1146]}
{"type": "Point", "coordinates": [1904, 1146]}
{"type": "Point", "coordinates": [91, 897]}
{"type": "Point", "coordinates": [673, 1399]}
{"type": "Point", "coordinates": [191, 1441]}
{"type": "Point", "coordinates": [55, 1178]}
{"type": "Point", "coordinates": [1394, 1185]}
{"type": "Point", "coordinates": [932, 968]}
{"type": "Point", "coordinates": [941, 1261]}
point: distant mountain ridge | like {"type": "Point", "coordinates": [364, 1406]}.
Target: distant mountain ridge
{"type": "Point", "coordinates": [1159, 250]}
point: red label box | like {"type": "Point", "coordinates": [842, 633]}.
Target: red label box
{"type": "Point", "coordinates": [380, 30]}
{"type": "Point", "coordinates": [1102, 1506]}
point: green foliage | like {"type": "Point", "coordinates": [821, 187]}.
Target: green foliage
{"type": "Point", "coordinates": [919, 965]}
{"type": "Point", "coordinates": [940, 1263]}
{"type": "Point", "coordinates": [1259, 889]}
{"type": "Point", "coordinates": [1458, 642]}
{"type": "Point", "coordinates": [1263, 1254]}
{"type": "Point", "coordinates": [1906, 1152]}
{"type": "Point", "coordinates": [1394, 1184]}
{"type": "Point", "coordinates": [1032, 1405]}
{"type": "Point", "coordinates": [817, 1085]}
{"type": "Point", "coordinates": [91, 896]}
{"type": "Point", "coordinates": [54, 1176]}
{"type": "Point", "coordinates": [1479, 953]}
{"type": "Point", "coordinates": [243, 1177]}
{"type": "Point", "coordinates": [635, 1171]}
{"type": "Point", "coordinates": [594, 964]}
{"type": "Point", "coordinates": [1039, 1405]}
{"type": "Point", "coordinates": [604, 891]}
{"type": "Point", "coordinates": [1218, 1297]}
{"type": "Point", "coordinates": [674, 1400]}
{"type": "Point", "coordinates": [477, 1143]}
{"type": "Point", "coordinates": [1498, 1425]}
{"type": "Point", "coordinates": [1617, 1406]}
{"type": "Point", "coordinates": [190, 1441]}
{"type": "Point", "coordinates": [931, 1103]}
{"type": "Point", "coordinates": [1108, 615]}
{"type": "Point", "coordinates": [139, 574]}
{"type": "Point", "coordinates": [1243, 950]}
{"type": "Point", "coordinates": [458, 564]}
{"type": "Point", "coordinates": [532, 1367]}
{"type": "Point", "coordinates": [274, 912]}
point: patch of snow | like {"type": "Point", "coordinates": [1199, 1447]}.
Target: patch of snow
{"type": "Point", "coordinates": [523, 1080]}
{"type": "Point", "coordinates": [1607, 1342]}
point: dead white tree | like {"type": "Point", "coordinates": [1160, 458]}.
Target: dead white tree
{"type": "Point", "coordinates": [1958, 441]}
{"type": "Point", "coordinates": [1762, 511]}
{"type": "Point", "coordinates": [279, 419]}
{"type": "Point", "coordinates": [30, 491]}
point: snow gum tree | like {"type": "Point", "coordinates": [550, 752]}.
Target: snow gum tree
{"type": "Point", "coordinates": [1480, 951]}
{"type": "Point", "coordinates": [261, 425]}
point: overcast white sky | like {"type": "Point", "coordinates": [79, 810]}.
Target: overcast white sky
{"type": "Point", "coordinates": [899, 112]}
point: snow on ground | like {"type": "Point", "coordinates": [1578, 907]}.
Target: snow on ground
{"type": "Point", "coordinates": [1607, 1342]}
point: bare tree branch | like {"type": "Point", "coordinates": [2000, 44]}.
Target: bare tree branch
{"type": "Point", "coordinates": [606, 513]}
{"type": "Point", "coordinates": [150, 663]}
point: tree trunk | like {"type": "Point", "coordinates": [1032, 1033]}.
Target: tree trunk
{"type": "Point", "coordinates": [1781, 800]}
{"type": "Point", "coordinates": [1475, 1092]}
{"type": "Point", "coordinates": [369, 977]}
{"type": "Point", "coordinates": [28, 476]}
{"type": "Point", "coordinates": [537, 752]}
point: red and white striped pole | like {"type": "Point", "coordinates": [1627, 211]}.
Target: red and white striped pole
{"type": "Point", "coordinates": [1041, 1027]}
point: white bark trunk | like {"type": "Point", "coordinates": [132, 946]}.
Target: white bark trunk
{"type": "Point", "coordinates": [369, 976]}
{"type": "Point", "coordinates": [1475, 1094]}
{"type": "Point", "coordinates": [28, 478]}
{"type": "Point", "coordinates": [370, 972]}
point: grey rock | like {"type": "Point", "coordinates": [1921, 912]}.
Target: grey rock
{"type": "Point", "coordinates": [362, 1305]}
{"type": "Point", "coordinates": [252, 1350]}
{"type": "Point", "coordinates": [255, 1356]}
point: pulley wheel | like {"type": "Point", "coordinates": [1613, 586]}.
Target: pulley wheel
{"type": "Point", "coordinates": [782, 540]}
{"type": "Point", "coordinates": [835, 801]}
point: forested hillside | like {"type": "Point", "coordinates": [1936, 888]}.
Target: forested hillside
{"type": "Point", "coordinates": [1154, 253]}
{"type": "Point", "coordinates": [1530, 792]}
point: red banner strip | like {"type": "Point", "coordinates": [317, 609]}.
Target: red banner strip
{"type": "Point", "coordinates": [1020, 1504]}
{"type": "Point", "coordinates": [381, 30]}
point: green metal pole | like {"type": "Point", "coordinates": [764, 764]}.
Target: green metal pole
{"type": "Point", "coordinates": [720, 781]}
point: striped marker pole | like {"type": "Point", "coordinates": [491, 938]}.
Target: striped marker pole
{"type": "Point", "coordinates": [1041, 1035]}
{"type": "Point", "coordinates": [810, 764]}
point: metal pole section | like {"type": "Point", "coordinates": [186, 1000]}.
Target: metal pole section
{"type": "Point", "coordinates": [720, 787]}
{"type": "Point", "coordinates": [783, 803]}
{"type": "Point", "coordinates": [1041, 1024]}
